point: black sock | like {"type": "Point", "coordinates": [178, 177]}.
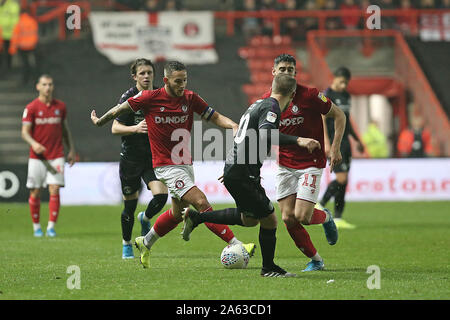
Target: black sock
{"type": "Point", "coordinates": [339, 200]}
{"type": "Point", "coordinates": [127, 218]}
{"type": "Point", "coordinates": [330, 192]}
{"type": "Point", "coordinates": [267, 242]}
{"type": "Point", "coordinates": [229, 216]}
{"type": "Point", "coordinates": [158, 202]}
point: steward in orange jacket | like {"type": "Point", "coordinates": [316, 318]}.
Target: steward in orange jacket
{"type": "Point", "coordinates": [25, 34]}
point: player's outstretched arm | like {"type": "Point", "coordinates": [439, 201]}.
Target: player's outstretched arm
{"type": "Point", "coordinates": [339, 127]}
{"type": "Point", "coordinates": [224, 122]}
{"type": "Point", "coordinates": [112, 113]}
{"type": "Point", "coordinates": [124, 130]}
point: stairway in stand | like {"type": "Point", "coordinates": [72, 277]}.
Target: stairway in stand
{"type": "Point", "coordinates": [14, 97]}
{"type": "Point", "coordinates": [260, 53]}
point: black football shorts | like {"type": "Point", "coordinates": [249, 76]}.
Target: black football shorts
{"type": "Point", "coordinates": [131, 173]}
{"type": "Point", "coordinates": [250, 196]}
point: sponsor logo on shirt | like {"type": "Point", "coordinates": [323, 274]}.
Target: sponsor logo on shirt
{"type": "Point", "coordinates": [50, 120]}
{"type": "Point", "coordinates": [271, 117]}
{"type": "Point", "coordinates": [322, 97]}
{"type": "Point", "coordinates": [173, 119]}
{"type": "Point", "coordinates": [291, 121]}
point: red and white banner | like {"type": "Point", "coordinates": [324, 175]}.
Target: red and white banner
{"type": "Point", "coordinates": [184, 36]}
{"type": "Point", "coordinates": [369, 180]}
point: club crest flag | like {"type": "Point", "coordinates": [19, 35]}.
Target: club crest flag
{"type": "Point", "coordinates": [184, 36]}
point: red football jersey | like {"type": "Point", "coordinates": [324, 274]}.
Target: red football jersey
{"type": "Point", "coordinates": [46, 126]}
{"type": "Point", "coordinates": [164, 114]}
{"type": "Point", "coordinates": [303, 119]}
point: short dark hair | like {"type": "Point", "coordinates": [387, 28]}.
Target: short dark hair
{"type": "Point", "coordinates": [172, 66]}
{"type": "Point", "coordinates": [284, 57]}
{"type": "Point", "coordinates": [140, 62]}
{"type": "Point", "coordinates": [343, 72]}
{"type": "Point", "coordinates": [284, 84]}
{"type": "Point", "coordinates": [45, 75]}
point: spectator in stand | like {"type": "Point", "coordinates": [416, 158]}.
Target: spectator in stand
{"type": "Point", "coordinates": [310, 23]}
{"type": "Point", "coordinates": [427, 4]}
{"type": "Point", "coordinates": [267, 24]}
{"type": "Point", "coordinates": [403, 22]}
{"type": "Point", "coordinates": [152, 6]}
{"type": "Point", "coordinates": [331, 23]}
{"type": "Point", "coordinates": [387, 22]}
{"type": "Point", "coordinates": [9, 16]}
{"type": "Point", "coordinates": [375, 141]}
{"type": "Point", "coordinates": [290, 26]}
{"type": "Point", "coordinates": [250, 26]}
{"type": "Point", "coordinates": [172, 5]}
{"type": "Point", "coordinates": [348, 7]}
{"type": "Point", "coordinates": [445, 4]}
{"type": "Point", "coordinates": [24, 40]}
{"type": "Point", "coordinates": [415, 142]}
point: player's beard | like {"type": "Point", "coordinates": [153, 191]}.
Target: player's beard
{"type": "Point", "coordinates": [173, 91]}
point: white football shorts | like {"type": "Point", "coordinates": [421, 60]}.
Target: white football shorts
{"type": "Point", "coordinates": [179, 179]}
{"type": "Point", "coordinates": [39, 175]}
{"type": "Point", "coordinates": [305, 183]}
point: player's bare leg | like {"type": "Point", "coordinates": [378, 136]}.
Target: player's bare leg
{"type": "Point", "coordinates": [306, 214]}
{"type": "Point", "coordinates": [299, 234]}
{"type": "Point", "coordinates": [34, 202]}
{"type": "Point", "coordinates": [197, 198]}
{"type": "Point", "coordinates": [53, 207]}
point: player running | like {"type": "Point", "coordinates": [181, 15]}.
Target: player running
{"type": "Point", "coordinates": [242, 173]}
{"type": "Point", "coordinates": [337, 92]}
{"type": "Point", "coordinates": [45, 129]}
{"type": "Point", "coordinates": [299, 171]}
{"type": "Point", "coordinates": [169, 114]}
{"type": "Point", "coordinates": [136, 160]}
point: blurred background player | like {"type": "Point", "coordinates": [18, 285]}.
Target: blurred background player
{"type": "Point", "coordinates": [299, 171]}
{"type": "Point", "coordinates": [136, 159]}
{"type": "Point", "coordinates": [337, 92]}
{"type": "Point", "coordinates": [166, 110]}
{"type": "Point", "coordinates": [242, 173]}
{"type": "Point", "coordinates": [45, 129]}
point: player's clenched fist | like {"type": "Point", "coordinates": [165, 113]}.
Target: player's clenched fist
{"type": "Point", "coordinates": [308, 143]}
{"type": "Point", "coordinates": [94, 118]}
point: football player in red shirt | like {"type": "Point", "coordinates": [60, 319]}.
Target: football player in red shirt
{"type": "Point", "coordinates": [169, 115]}
{"type": "Point", "coordinates": [45, 129]}
{"type": "Point", "coordinates": [299, 172]}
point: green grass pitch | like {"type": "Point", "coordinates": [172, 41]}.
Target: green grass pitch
{"type": "Point", "coordinates": [409, 242]}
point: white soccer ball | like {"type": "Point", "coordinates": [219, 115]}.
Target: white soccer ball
{"type": "Point", "coordinates": [234, 257]}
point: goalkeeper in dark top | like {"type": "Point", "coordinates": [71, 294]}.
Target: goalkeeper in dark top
{"type": "Point", "coordinates": [337, 92]}
{"type": "Point", "coordinates": [258, 131]}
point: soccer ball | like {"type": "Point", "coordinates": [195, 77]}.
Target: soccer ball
{"type": "Point", "coordinates": [234, 257]}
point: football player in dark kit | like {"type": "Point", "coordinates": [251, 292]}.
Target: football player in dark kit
{"type": "Point", "coordinates": [242, 172]}
{"type": "Point", "coordinates": [337, 92]}
{"type": "Point", "coordinates": [136, 159]}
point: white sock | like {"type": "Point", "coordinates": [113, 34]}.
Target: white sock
{"type": "Point", "coordinates": [50, 225]}
{"type": "Point", "coordinates": [235, 241]}
{"type": "Point", "coordinates": [126, 242]}
{"type": "Point", "coordinates": [150, 238]}
{"type": "Point", "coordinates": [316, 257]}
{"type": "Point", "coordinates": [36, 226]}
{"type": "Point", "coordinates": [145, 217]}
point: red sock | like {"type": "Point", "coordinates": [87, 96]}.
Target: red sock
{"type": "Point", "coordinates": [318, 217]}
{"type": "Point", "coordinates": [165, 223]}
{"type": "Point", "coordinates": [221, 230]}
{"type": "Point", "coordinates": [35, 207]}
{"type": "Point", "coordinates": [53, 208]}
{"type": "Point", "coordinates": [302, 240]}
